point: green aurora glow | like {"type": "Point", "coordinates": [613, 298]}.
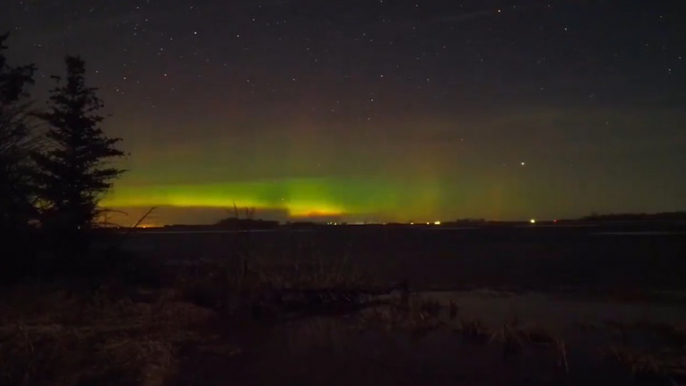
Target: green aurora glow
{"type": "Point", "coordinates": [306, 197]}
{"type": "Point", "coordinates": [397, 172]}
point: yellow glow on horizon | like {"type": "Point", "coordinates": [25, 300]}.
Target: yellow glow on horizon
{"type": "Point", "coordinates": [313, 210]}
{"type": "Point", "coordinates": [295, 208]}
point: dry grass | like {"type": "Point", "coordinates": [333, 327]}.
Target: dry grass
{"type": "Point", "coordinates": [50, 336]}
{"type": "Point", "coordinates": [510, 337]}
{"type": "Point", "coordinates": [672, 333]}
{"type": "Point", "coordinates": [651, 366]}
{"type": "Point", "coordinates": [271, 291]}
{"type": "Point", "coordinates": [475, 331]}
{"type": "Point", "coordinates": [417, 315]}
{"type": "Point", "coordinates": [664, 361]}
{"type": "Point", "coordinates": [541, 337]}
{"type": "Point", "coordinates": [422, 315]}
{"type": "Point", "coordinates": [56, 338]}
{"type": "Point", "coordinates": [641, 364]}
{"type": "Point", "coordinates": [514, 337]}
{"type": "Point", "coordinates": [316, 273]}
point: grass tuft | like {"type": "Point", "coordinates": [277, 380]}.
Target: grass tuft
{"type": "Point", "coordinates": [59, 338]}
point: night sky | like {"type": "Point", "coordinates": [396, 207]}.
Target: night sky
{"type": "Point", "coordinates": [378, 110]}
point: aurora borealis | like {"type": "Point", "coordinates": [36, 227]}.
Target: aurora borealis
{"type": "Point", "coordinates": [378, 110]}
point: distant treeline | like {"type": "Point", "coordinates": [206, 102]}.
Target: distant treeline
{"type": "Point", "coordinates": [228, 223]}
{"type": "Point", "coordinates": [233, 223]}
{"type": "Point", "coordinates": [246, 223]}
{"type": "Point", "coordinates": [666, 216]}
{"type": "Point", "coordinates": [467, 221]}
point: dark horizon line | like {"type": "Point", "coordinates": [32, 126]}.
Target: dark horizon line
{"type": "Point", "coordinates": [609, 217]}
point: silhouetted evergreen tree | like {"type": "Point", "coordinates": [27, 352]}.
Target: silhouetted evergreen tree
{"type": "Point", "coordinates": [16, 144]}
{"type": "Point", "coordinates": [74, 170]}
{"type": "Point", "coordinates": [16, 169]}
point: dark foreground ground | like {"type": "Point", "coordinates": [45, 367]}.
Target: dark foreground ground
{"type": "Point", "coordinates": [593, 258]}
{"type": "Point", "coordinates": [526, 305]}
{"type": "Point", "coordinates": [516, 305]}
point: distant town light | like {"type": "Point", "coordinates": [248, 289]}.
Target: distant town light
{"type": "Point", "coordinates": [437, 223]}
{"type": "Point", "coordinates": [533, 221]}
